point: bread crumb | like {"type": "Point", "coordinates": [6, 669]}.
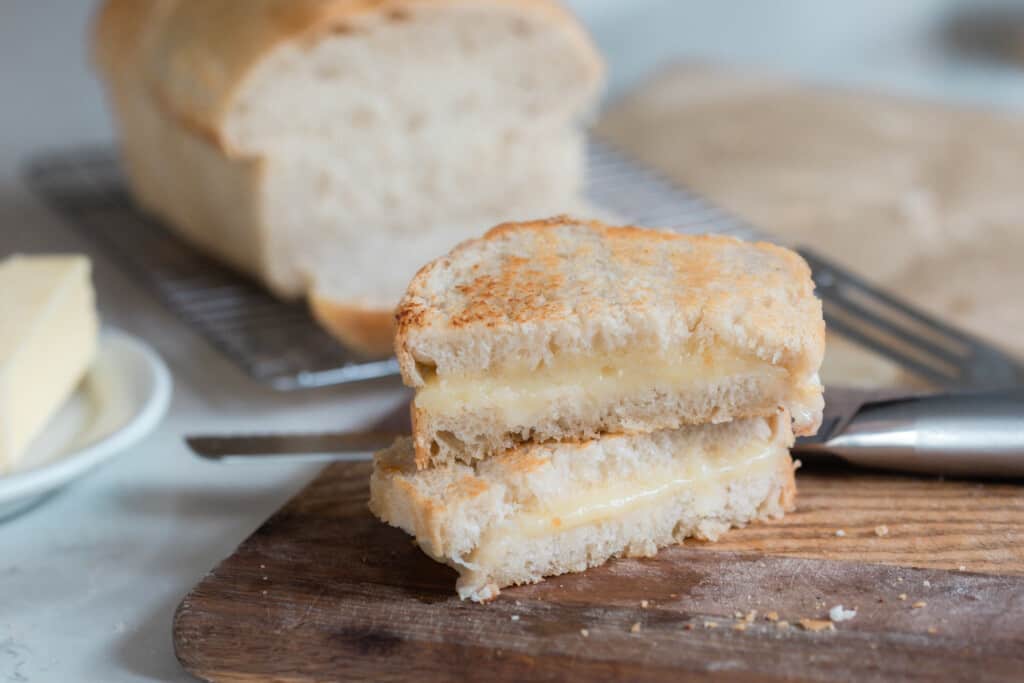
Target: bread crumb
{"type": "Point", "coordinates": [817, 625]}
{"type": "Point", "coordinates": [902, 596]}
{"type": "Point", "coordinates": [515, 617]}
{"type": "Point", "coordinates": [264, 592]}
{"type": "Point", "coordinates": [899, 579]}
{"type": "Point", "coordinates": [673, 595]}
{"type": "Point", "coordinates": [635, 628]}
{"type": "Point", "coordinates": [772, 616]}
{"type": "Point", "coordinates": [962, 568]}
{"type": "Point", "coordinates": [710, 624]}
{"type": "Point", "coordinates": [881, 530]}
{"type": "Point", "coordinates": [644, 604]}
{"type": "Point", "coordinates": [838, 613]}
{"type": "Point", "coordinates": [750, 616]}
{"type": "Point", "coordinates": [585, 633]}
{"type": "Point", "coordinates": [927, 583]}
{"type": "Point", "coordinates": [742, 626]}
{"type": "Point", "coordinates": [840, 533]}
{"type": "Point", "coordinates": [782, 624]}
{"type": "Point", "coordinates": [263, 566]}
{"type": "Point", "coordinates": [919, 604]}
{"type": "Point", "coordinates": [738, 614]}
{"type": "Point", "coordinates": [932, 630]}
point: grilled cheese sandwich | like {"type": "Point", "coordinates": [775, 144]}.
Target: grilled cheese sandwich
{"type": "Point", "coordinates": [541, 510]}
{"type": "Point", "coordinates": [566, 330]}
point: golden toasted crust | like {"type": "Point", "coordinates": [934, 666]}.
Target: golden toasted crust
{"type": "Point", "coordinates": [787, 472]}
{"type": "Point", "coordinates": [421, 440]}
{"type": "Point", "coordinates": [205, 52]}
{"type": "Point", "coordinates": [398, 493]}
{"type": "Point", "coordinates": [370, 331]}
{"type": "Point", "coordinates": [567, 271]}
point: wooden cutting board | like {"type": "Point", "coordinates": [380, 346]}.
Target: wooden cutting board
{"type": "Point", "coordinates": [323, 591]}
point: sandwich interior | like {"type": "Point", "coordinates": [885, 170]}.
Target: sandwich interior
{"type": "Point", "coordinates": [545, 509]}
{"type": "Point", "coordinates": [465, 416]}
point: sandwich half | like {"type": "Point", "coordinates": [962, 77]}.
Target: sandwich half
{"type": "Point", "coordinates": [546, 509]}
{"type": "Point", "coordinates": [564, 330]}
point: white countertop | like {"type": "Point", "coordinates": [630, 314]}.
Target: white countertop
{"type": "Point", "coordinates": [89, 579]}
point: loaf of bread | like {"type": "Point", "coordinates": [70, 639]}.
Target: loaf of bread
{"type": "Point", "coordinates": [331, 147]}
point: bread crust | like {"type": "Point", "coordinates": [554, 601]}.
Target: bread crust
{"type": "Point", "coordinates": [203, 53]}
{"type": "Point", "coordinates": [204, 195]}
{"type": "Point", "coordinates": [370, 331]}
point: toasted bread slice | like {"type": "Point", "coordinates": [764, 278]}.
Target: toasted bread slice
{"type": "Point", "coordinates": [547, 509]}
{"type": "Point", "coordinates": [565, 330]}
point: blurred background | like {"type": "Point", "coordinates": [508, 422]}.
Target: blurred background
{"type": "Point", "coordinates": [964, 50]}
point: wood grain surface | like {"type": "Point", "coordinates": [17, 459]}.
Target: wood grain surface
{"type": "Point", "coordinates": [323, 591]}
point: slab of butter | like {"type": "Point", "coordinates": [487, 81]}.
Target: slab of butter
{"type": "Point", "coordinates": [48, 335]}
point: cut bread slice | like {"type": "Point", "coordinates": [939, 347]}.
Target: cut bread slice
{"type": "Point", "coordinates": [337, 145]}
{"type": "Point", "coordinates": [565, 330]}
{"type": "Point", "coordinates": [546, 509]}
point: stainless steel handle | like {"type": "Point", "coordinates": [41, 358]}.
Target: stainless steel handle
{"type": "Point", "coordinates": [958, 434]}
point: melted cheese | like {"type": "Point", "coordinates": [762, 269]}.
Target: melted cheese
{"type": "Point", "coordinates": [521, 396]}
{"type": "Point", "coordinates": [702, 477]}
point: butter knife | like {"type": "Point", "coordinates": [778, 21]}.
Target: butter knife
{"type": "Point", "coordinates": [969, 435]}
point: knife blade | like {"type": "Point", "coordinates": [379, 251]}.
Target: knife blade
{"type": "Point", "coordinates": [840, 405]}
{"type": "Point", "coordinates": [977, 434]}
{"type": "Point", "coordinates": [955, 434]}
{"type": "Point", "coordinates": [311, 447]}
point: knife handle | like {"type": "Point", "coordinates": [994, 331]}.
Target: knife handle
{"type": "Point", "coordinates": [978, 435]}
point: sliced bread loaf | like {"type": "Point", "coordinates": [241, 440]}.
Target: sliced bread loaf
{"type": "Point", "coordinates": [332, 147]}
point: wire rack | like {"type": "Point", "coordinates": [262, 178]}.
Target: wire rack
{"type": "Point", "coordinates": [277, 342]}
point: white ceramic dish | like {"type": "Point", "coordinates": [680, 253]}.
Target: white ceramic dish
{"type": "Point", "coordinates": [122, 398]}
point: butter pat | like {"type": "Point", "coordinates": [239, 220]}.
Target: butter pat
{"type": "Point", "coordinates": [48, 335]}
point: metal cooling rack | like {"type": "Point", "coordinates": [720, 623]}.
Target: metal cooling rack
{"type": "Point", "coordinates": [279, 343]}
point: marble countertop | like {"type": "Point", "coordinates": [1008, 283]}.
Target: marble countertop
{"type": "Point", "coordinates": [89, 579]}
